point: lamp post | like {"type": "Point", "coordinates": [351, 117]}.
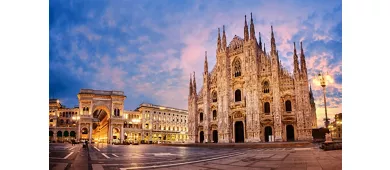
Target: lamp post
{"type": "Point", "coordinates": [323, 83]}
{"type": "Point", "coordinates": [77, 118]}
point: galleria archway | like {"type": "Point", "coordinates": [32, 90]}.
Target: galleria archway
{"type": "Point", "coordinates": [100, 125]}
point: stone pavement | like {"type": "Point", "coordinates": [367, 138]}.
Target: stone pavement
{"type": "Point", "coordinates": [126, 157]}
{"type": "Point", "coordinates": [296, 159]}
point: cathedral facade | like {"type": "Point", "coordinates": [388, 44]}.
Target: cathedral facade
{"type": "Point", "coordinates": [249, 96]}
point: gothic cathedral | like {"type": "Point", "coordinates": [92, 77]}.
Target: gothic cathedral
{"type": "Point", "coordinates": [249, 96]}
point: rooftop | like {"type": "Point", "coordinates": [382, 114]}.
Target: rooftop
{"type": "Point", "coordinates": [161, 107]}
{"type": "Point", "coordinates": [102, 92]}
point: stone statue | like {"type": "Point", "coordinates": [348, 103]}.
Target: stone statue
{"type": "Point", "coordinates": [328, 138]}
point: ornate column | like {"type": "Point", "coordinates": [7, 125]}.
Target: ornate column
{"type": "Point", "coordinates": [90, 132]}
{"type": "Point", "coordinates": [78, 136]}
{"type": "Point", "coordinates": [110, 133]}
{"type": "Point", "coordinates": [122, 134]}
{"type": "Point", "coordinates": [55, 135]}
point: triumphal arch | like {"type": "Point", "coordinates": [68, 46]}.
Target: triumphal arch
{"type": "Point", "coordinates": [101, 115]}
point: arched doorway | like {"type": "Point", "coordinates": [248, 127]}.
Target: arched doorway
{"type": "Point", "coordinates": [201, 136]}
{"type": "Point", "coordinates": [84, 133]}
{"type": "Point", "coordinates": [290, 132]}
{"type": "Point", "coordinates": [100, 129]}
{"type": "Point", "coordinates": [72, 134]}
{"type": "Point", "coordinates": [51, 135]}
{"type": "Point", "coordinates": [267, 133]}
{"type": "Point", "coordinates": [215, 136]}
{"type": "Point", "coordinates": [59, 136]}
{"type": "Point", "coordinates": [115, 135]}
{"type": "Point", "coordinates": [66, 134]}
{"type": "Point", "coordinates": [239, 132]}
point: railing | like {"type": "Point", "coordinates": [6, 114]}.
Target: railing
{"type": "Point", "coordinates": [101, 92]}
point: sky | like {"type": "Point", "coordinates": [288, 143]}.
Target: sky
{"type": "Point", "coordinates": [149, 48]}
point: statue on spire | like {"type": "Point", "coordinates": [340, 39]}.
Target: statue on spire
{"type": "Point", "coordinates": [253, 36]}
{"type": "Point", "coordinates": [246, 34]}
{"type": "Point", "coordinates": [223, 38]}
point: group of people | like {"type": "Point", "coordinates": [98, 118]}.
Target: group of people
{"type": "Point", "coordinates": [85, 143]}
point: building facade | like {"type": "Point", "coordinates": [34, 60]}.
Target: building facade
{"type": "Point", "coordinates": [100, 117]}
{"type": "Point", "coordinates": [249, 96]}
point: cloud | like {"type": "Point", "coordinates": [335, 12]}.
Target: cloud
{"type": "Point", "coordinates": [149, 49]}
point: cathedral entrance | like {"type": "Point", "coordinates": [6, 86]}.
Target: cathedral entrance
{"type": "Point", "coordinates": [239, 132]}
{"type": "Point", "coordinates": [201, 136]}
{"type": "Point", "coordinates": [267, 133]}
{"type": "Point", "coordinates": [100, 126]}
{"type": "Point", "coordinates": [290, 132]}
{"type": "Point", "coordinates": [215, 136]}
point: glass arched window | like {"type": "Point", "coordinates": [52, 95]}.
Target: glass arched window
{"type": "Point", "coordinates": [266, 87]}
{"type": "Point", "coordinates": [267, 109]}
{"type": "Point", "coordinates": [62, 121]}
{"type": "Point", "coordinates": [288, 106]}
{"type": "Point", "coordinates": [214, 96]}
{"type": "Point", "coordinates": [214, 115]}
{"type": "Point", "coordinates": [237, 95]}
{"type": "Point", "coordinates": [237, 67]}
{"type": "Point", "coordinates": [84, 131]}
{"type": "Point", "coordinates": [201, 117]}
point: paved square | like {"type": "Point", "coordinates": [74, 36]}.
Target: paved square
{"type": "Point", "coordinates": [126, 157]}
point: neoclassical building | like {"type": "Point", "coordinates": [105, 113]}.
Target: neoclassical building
{"type": "Point", "coordinates": [100, 117]}
{"type": "Point", "coordinates": [249, 96]}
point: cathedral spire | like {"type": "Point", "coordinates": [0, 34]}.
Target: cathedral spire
{"type": "Point", "coordinates": [206, 67]}
{"type": "Point", "coordinates": [246, 34]}
{"type": "Point", "coordinates": [296, 65]}
{"type": "Point", "coordinates": [219, 41]}
{"type": "Point", "coordinates": [253, 36]}
{"type": "Point", "coordinates": [311, 96]}
{"type": "Point", "coordinates": [194, 85]}
{"type": "Point", "coordinates": [273, 44]}
{"type": "Point", "coordinates": [260, 41]}
{"type": "Point", "coordinates": [223, 39]}
{"type": "Point", "coordinates": [190, 88]}
{"type": "Point", "coordinates": [265, 52]}
{"type": "Point", "coordinates": [303, 61]}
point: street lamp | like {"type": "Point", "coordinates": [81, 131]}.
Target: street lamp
{"type": "Point", "coordinates": [77, 118]}
{"type": "Point", "coordinates": [323, 81]}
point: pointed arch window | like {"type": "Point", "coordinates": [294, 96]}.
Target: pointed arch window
{"type": "Point", "coordinates": [288, 106]}
{"type": "Point", "coordinates": [116, 112]}
{"type": "Point", "coordinates": [237, 67]}
{"type": "Point", "coordinates": [237, 95]}
{"type": "Point", "coordinates": [267, 109]}
{"type": "Point", "coordinates": [214, 96]}
{"type": "Point", "coordinates": [214, 115]}
{"type": "Point", "coordinates": [266, 87]}
{"type": "Point", "coordinates": [201, 117]}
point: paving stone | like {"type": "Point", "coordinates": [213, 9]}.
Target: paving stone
{"type": "Point", "coordinates": [242, 163]}
{"type": "Point", "coordinates": [267, 164]}
{"type": "Point", "coordinates": [60, 166]}
{"type": "Point", "coordinates": [313, 168]}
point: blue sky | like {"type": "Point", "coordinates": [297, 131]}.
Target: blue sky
{"type": "Point", "coordinates": [149, 48]}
